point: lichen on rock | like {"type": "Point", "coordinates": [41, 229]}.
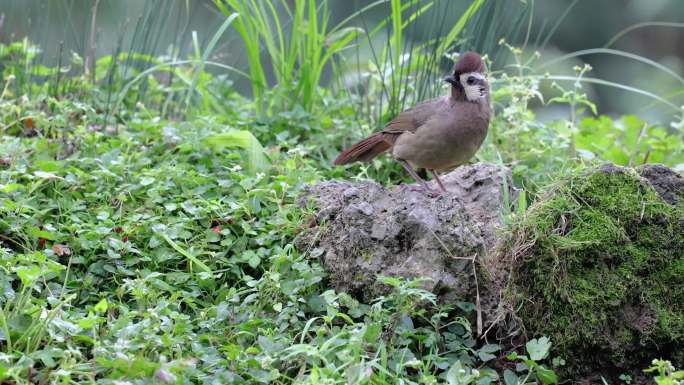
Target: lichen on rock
{"type": "Point", "coordinates": [598, 265]}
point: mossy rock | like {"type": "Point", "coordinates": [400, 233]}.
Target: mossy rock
{"type": "Point", "coordinates": [599, 267]}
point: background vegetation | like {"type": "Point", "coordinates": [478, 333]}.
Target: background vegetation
{"type": "Point", "coordinates": [149, 171]}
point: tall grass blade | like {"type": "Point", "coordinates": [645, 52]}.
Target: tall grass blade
{"type": "Point", "coordinates": [616, 53]}
{"type": "Point", "coordinates": [246, 28]}
{"type": "Point", "coordinates": [205, 56]}
{"type": "Point", "coordinates": [550, 34]}
{"type": "Point", "coordinates": [631, 28]}
{"type": "Point", "coordinates": [617, 85]}
{"type": "Point", "coordinates": [457, 29]}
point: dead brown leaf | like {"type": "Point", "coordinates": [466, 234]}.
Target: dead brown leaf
{"type": "Point", "coordinates": [61, 250]}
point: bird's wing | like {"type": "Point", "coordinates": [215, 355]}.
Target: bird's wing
{"type": "Point", "coordinates": [414, 117]}
{"type": "Point", "coordinates": [407, 121]}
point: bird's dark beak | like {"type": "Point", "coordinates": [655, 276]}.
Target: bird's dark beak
{"type": "Point", "coordinates": [451, 80]}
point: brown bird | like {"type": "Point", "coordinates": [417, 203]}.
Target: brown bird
{"type": "Point", "coordinates": [438, 134]}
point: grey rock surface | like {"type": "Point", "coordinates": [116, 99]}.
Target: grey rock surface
{"type": "Point", "coordinates": [362, 230]}
{"type": "Point", "coordinates": [668, 184]}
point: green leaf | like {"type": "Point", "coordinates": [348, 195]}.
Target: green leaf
{"type": "Point", "coordinates": [546, 376]}
{"type": "Point", "coordinates": [484, 356]}
{"type": "Point", "coordinates": [88, 322]}
{"type": "Point", "coordinates": [48, 355]}
{"type": "Point", "coordinates": [8, 188]}
{"type": "Point", "coordinates": [487, 377]}
{"type": "Point", "coordinates": [538, 349]}
{"type": "Point", "coordinates": [256, 155]}
{"type": "Point", "coordinates": [664, 381]}
{"type": "Point", "coordinates": [48, 165]}
{"type": "Point", "coordinates": [530, 363]}
{"type": "Point", "coordinates": [510, 378]}
{"type": "Point", "coordinates": [459, 375]}
{"type": "Point", "coordinates": [28, 274]}
{"type": "Point", "coordinates": [466, 306]}
{"type": "Point", "coordinates": [101, 307]}
{"type": "Point", "coordinates": [46, 175]}
{"type": "Point", "coordinates": [232, 351]}
{"type": "Point", "coordinates": [147, 180]}
{"type": "Point", "coordinates": [37, 233]}
{"type": "Point", "coordinates": [372, 333]}
{"type": "Point", "coordinates": [490, 348]}
{"type": "Point", "coordinates": [3, 372]}
{"type": "Point", "coordinates": [254, 261]}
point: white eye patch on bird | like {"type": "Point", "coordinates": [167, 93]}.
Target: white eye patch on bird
{"type": "Point", "coordinates": [474, 85]}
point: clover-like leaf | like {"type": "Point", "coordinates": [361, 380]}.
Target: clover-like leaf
{"type": "Point", "coordinates": [538, 349]}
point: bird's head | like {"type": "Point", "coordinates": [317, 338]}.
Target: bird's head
{"type": "Point", "coordinates": [469, 77]}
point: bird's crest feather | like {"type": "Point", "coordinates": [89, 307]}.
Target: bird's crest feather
{"type": "Point", "coordinates": [469, 62]}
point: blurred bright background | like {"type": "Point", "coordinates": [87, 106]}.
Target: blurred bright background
{"type": "Point", "coordinates": [651, 30]}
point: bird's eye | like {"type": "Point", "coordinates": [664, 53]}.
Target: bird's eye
{"type": "Point", "coordinates": [470, 80]}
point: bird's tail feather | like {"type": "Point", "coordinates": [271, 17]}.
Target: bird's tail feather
{"type": "Point", "coordinates": [364, 150]}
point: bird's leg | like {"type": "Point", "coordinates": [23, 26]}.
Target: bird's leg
{"type": "Point", "coordinates": [439, 181]}
{"type": "Point", "coordinates": [415, 176]}
{"type": "Point", "coordinates": [441, 185]}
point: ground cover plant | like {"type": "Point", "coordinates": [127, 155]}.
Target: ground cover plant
{"type": "Point", "coordinates": [148, 210]}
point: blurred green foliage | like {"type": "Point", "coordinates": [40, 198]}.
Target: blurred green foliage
{"type": "Point", "coordinates": [629, 141]}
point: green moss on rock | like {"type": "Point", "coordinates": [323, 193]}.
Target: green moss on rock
{"type": "Point", "coordinates": [601, 269]}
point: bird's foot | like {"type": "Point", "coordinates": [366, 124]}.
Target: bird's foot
{"type": "Point", "coordinates": [422, 189]}
{"type": "Point", "coordinates": [432, 193]}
